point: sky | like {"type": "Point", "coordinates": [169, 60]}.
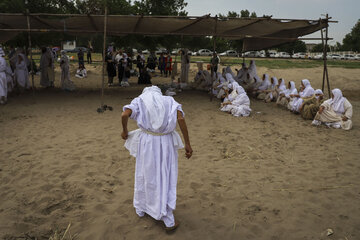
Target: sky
{"type": "Point", "coordinates": [347, 12]}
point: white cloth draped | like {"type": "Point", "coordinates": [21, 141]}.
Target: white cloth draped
{"type": "Point", "coordinates": [3, 80]}
{"type": "Point", "coordinates": [337, 102]}
{"type": "Point", "coordinates": [21, 72]}
{"type": "Point", "coordinates": [265, 83]}
{"type": "Point", "coordinates": [306, 93]}
{"type": "Point", "coordinates": [156, 154]}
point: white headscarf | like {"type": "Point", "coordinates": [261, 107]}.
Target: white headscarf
{"type": "Point", "coordinates": [337, 102]}
{"type": "Point", "coordinates": [229, 77]}
{"type": "Point", "coordinates": [282, 86]}
{"type": "Point", "coordinates": [240, 90]}
{"type": "Point", "coordinates": [293, 89]}
{"type": "Point", "coordinates": [308, 91]}
{"type": "Point", "coordinates": [276, 82]}
{"type": "Point", "coordinates": [265, 83]}
{"type": "Point", "coordinates": [252, 69]}
{"type": "Point", "coordinates": [155, 109]}
{"type": "Point", "coordinates": [318, 91]}
{"type": "Point", "coordinates": [220, 77]}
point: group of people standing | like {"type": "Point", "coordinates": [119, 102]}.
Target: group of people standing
{"type": "Point", "coordinates": [120, 63]}
{"type": "Point", "coordinates": [234, 89]}
{"type": "Point", "coordinates": [13, 74]}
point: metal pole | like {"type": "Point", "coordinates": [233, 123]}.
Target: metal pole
{"type": "Point", "coordinates": [326, 45]}
{"type": "Point", "coordinates": [29, 39]}
{"type": "Point", "coordinates": [323, 44]}
{"type": "Point", "coordinates": [103, 62]}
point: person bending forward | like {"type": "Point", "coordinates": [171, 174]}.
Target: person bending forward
{"type": "Point", "coordinates": [155, 145]}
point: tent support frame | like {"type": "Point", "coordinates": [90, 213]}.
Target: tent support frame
{"type": "Point", "coordinates": [325, 46]}
{"type": "Point", "coordinates": [30, 47]}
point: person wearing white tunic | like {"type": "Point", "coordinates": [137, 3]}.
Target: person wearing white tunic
{"type": "Point", "coordinates": [21, 72]}
{"type": "Point", "coordinates": [335, 112]}
{"type": "Point", "coordinates": [225, 105]}
{"type": "Point", "coordinates": [284, 96]}
{"type": "Point", "coordinates": [3, 80]}
{"type": "Point", "coordinates": [66, 83]}
{"type": "Point", "coordinates": [306, 92]}
{"type": "Point", "coordinates": [240, 105]}
{"type": "Point", "coordinates": [260, 91]}
{"type": "Point", "coordinates": [155, 145]}
{"type": "Point", "coordinates": [271, 93]}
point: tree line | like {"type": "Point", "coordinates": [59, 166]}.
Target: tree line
{"type": "Point", "coordinates": [140, 7]}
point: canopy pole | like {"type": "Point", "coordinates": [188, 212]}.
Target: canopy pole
{"type": "Point", "coordinates": [214, 44]}
{"type": "Point", "coordinates": [325, 46]}
{"type": "Point", "coordinates": [29, 40]}
{"type": "Point", "coordinates": [103, 62]}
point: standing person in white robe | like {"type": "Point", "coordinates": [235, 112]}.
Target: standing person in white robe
{"type": "Point", "coordinates": [3, 80]}
{"type": "Point", "coordinates": [306, 92]}
{"type": "Point", "coordinates": [335, 112]}
{"type": "Point", "coordinates": [155, 145]}
{"type": "Point", "coordinates": [21, 72]}
{"type": "Point", "coordinates": [66, 83]}
{"type": "Point", "coordinates": [9, 78]}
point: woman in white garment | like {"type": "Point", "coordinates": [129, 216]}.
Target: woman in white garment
{"type": "Point", "coordinates": [284, 97]}
{"type": "Point", "coordinates": [3, 81]}
{"type": "Point", "coordinates": [306, 92]}
{"type": "Point", "coordinates": [240, 105]}
{"type": "Point", "coordinates": [66, 83]}
{"type": "Point", "coordinates": [241, 73]}
{"type": "Point", "coordinates": [281, 88]}
{"type": "Point", "coordinates": [335, 112]}
{"type": "Point", "coordinates": [229, 97]}
{"type": "Point", "coordinates": [260, 91]}
{"type": "Point", "coordinates": [271, 93]}
{"type": "Point", "coordinates": [21, 72]}
{"type": "Point", "coordinates": [155, 146]}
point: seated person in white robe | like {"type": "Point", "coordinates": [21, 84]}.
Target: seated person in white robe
{"type": "Point", "coordinates": [81, 72]}
{"type": "Point", "coordinates": [240, 105]}
{"type": "Point", "coordinates": [335, 112]}
{"type": "Point", "coordinates": [284, 96]}
{"type": "Point", "coordinates": [230, 95]}
{"type": "Point", "coordinates": [155, 146]}
{"type": "Point", "coordinates": [260, 92]}
{"type": "Point", "coordinates": [271, 93]}
{"type": "Point", "coordinates": [306, 92]}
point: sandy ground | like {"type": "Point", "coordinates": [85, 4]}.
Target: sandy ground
{"type": "Point", "coordinates": [268, 176]}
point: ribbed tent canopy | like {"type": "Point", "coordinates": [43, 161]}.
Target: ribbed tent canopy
{"type": "Point", "coordinates": [257, 33]}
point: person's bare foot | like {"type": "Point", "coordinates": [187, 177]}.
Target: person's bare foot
{"type": "Point", "coordinates": [171, 229]}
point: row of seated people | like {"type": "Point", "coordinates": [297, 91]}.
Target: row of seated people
{"type": "Point", "coordinates": [234, 89]}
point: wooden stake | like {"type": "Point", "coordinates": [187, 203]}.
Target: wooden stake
{"type": "Point", "coordinates": [103, 63]}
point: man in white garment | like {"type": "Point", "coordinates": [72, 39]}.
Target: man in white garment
{"type": "Point", "coordinates": [3, 80]}
{"type": "Point", "coordinates": [155, 145]}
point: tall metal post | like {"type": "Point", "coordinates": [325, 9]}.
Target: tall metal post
{"type": "Point", "coordinates": [29, 39]}
{"type": "Point", "coordinates": [325, 59]}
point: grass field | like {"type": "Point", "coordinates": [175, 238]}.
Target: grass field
{"type": "Point", "coordinates": [272, 63]}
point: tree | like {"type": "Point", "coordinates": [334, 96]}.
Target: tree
{"type": "Point", "coordinates": [253, 15]}
{"type": "Point", "coordinates": [351, 42]}
{"type": "Point", "coordinates": [160, 7]}
{"type": "Point", "coordinates": [244, 13]}
{"type": "Point", "coordinates": [319, 48]}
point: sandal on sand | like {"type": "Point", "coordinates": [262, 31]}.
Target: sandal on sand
{"type": "Point", "coordinates": [170, 229]}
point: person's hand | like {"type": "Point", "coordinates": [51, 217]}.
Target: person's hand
{"type": "Point", "coordinates": [344, 118]}
{"type": "Point", "coordinates": [321, 110]}
{"type": "Point", "coordinates": [124, 135]}
{"type": "Point", "coordinates": [188, 151]}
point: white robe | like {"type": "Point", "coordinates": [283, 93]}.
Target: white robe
{"type": "Point", "coordinates": [306, 93]}
{"type": "Point", "coordinates": [156, 155]}
{"type": "Point", "coordinates": [3, 81]}
{"type": "Point", "coordinates": [21, 73]}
